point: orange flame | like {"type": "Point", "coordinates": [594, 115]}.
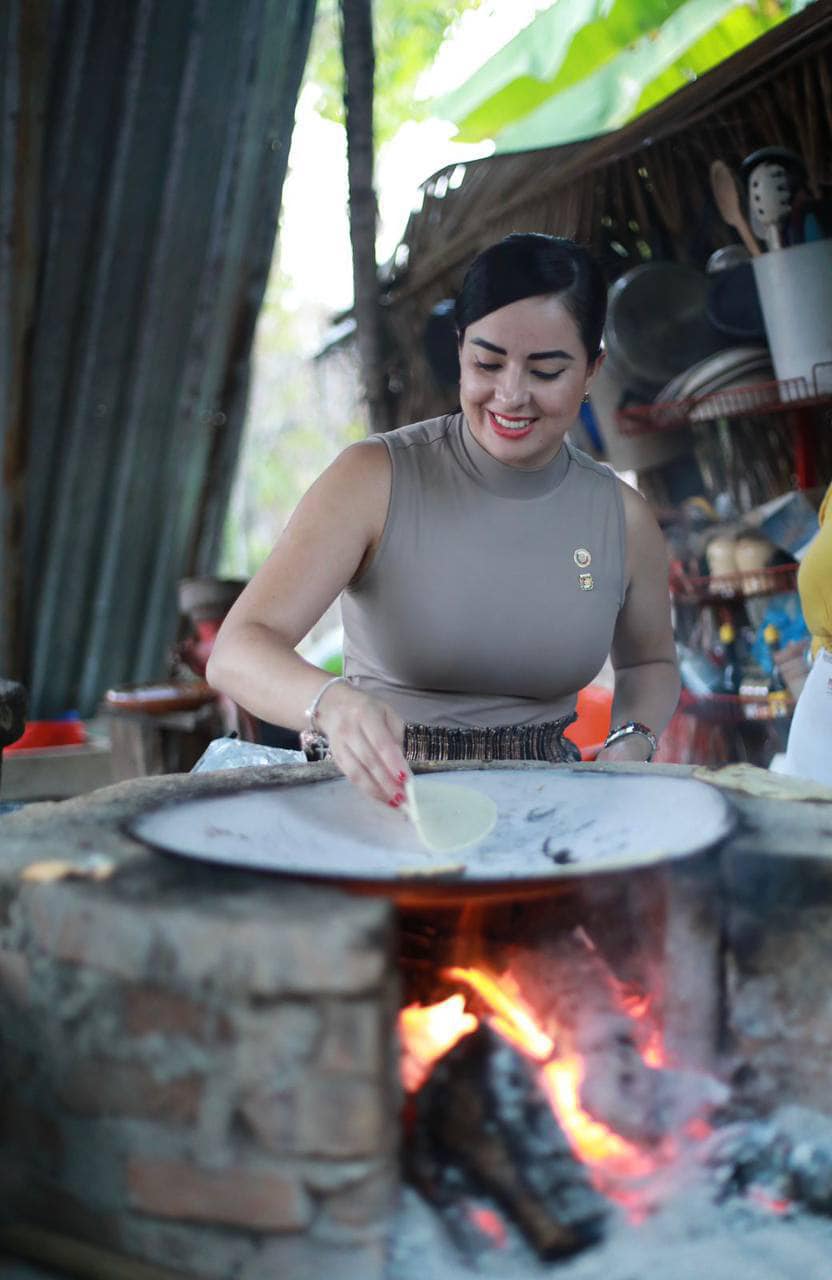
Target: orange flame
{"type": "Point", "coordinates": [510, 1016]}
{"type": "Point", "coordinates": [605, 1152]}
{"type": "Point", "coordinates": [429, 1032]}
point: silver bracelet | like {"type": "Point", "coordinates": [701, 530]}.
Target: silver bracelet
{"type": "Point", "coordinates": [311, 712]}
{"type": "Point", "coordinates": [631, 727]}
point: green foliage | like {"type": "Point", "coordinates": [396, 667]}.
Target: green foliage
{"type": "Point", "coordinates": [407, 33]}
{"type": "Point", "coordinates": [300, 415]}
{"type": "Point", "coordinates": [583, 67]}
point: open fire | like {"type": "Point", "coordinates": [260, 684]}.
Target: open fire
{"type": "Point", "coordinates": [617, 1165]}
{"type": "Point", "coordinates": [546, 1112]}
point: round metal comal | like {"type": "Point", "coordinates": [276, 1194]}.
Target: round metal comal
{"type": "Point", "coordinates": [552, 824]}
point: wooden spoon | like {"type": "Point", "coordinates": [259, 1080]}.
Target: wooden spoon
{"type": "Point", "coordinates": [727, 199]}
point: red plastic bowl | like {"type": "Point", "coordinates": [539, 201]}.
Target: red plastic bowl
{"type": "Point", "coordinates": [50, 733]}
{"type": "Point", "coordinates": [593, 724]}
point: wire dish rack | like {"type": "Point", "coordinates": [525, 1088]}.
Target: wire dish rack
{"type": "Point", "coordinates": [782, 396]}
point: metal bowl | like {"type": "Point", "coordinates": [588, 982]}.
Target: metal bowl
{"type": "Point", "coordinates": [657, 324]}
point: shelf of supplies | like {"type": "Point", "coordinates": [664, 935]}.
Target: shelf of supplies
{"type": "Point", "coordinates": [730, 708]}
{"type": "Point", "coordinates": [785, 396]}
{"type": "Point", "coordinates": [731, 587]}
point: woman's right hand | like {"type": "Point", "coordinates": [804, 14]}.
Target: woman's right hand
{"type": "Point", "coordinates": [365, 740]}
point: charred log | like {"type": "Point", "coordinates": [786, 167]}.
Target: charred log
{"type": "Point", "coordinates": [483, 1126]}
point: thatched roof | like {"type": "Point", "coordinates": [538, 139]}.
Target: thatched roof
{"type": "Point", "coordinates": [639, 192]}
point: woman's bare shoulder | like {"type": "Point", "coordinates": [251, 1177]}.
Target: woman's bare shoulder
{"type": "Point", "coordinates": [367, 462]}
{"type": "Point", "coordinates": [360, 470]}
{"type": "Point", "coordinates": [351, 495]}
{"type": "Point", "coordinates": [646, 547]}
{"type": "Point", "coordinates": [640, 520]}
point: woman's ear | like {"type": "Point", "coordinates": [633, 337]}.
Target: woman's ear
{"type": "Point", "coordinates": [594, 365]}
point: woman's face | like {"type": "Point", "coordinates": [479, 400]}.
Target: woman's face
{"type": "Point", "coordinates": [523, 374]}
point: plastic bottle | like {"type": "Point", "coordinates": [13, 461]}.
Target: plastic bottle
{"type": "Point", "coordinates": [730, 663]}
{"type": "Point", "coordinates": [778, 695]}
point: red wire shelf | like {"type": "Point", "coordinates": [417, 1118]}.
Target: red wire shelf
{"type": "Point", "coordinates": [729, 708]}
{"type": "Point", "coordinates": [733, 586]}
{"type": "Point", "coordinates": [784, 396]}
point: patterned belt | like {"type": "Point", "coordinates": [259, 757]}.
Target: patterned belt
{"type": "Point", "coordinates": [424, 742]}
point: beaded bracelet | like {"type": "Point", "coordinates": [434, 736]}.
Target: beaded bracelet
{"type": "Point", "coordinates": [631, 727]}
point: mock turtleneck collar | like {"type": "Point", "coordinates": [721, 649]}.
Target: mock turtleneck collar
{"type": "Point", "coordinates": [501, 478]}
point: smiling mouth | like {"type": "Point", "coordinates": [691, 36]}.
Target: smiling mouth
{"type": "Point", "coordinates": [512, 427]}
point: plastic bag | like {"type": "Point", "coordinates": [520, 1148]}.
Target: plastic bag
{"type": "Point", "coordinates": [231, 753]}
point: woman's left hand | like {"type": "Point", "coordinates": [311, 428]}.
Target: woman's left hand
{"type": "Point", "coordinates": [633, 748]}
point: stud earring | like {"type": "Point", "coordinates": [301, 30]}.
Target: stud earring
{"type": "Point", "coordinates": [585, 397]}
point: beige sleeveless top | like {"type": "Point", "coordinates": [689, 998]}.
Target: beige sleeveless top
{"type": "Point", "coordinates": [481, 606]}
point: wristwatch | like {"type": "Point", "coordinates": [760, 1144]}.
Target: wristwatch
{"type": "Point", "coordinates": [626, 731]}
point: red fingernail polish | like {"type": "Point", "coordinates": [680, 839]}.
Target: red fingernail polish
{"type": "Point", "coordinates": [402, 777]}
{"type": "Point", "coordinates": [399, 798]}
{"type": "Point", "coordinates": [394, 804]}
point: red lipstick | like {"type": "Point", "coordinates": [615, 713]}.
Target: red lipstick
{"type": "Point", "coordinates": [510, 433]}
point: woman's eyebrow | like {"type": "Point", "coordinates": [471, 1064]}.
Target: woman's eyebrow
{"type": "Point", "coordinates": [533, 355]}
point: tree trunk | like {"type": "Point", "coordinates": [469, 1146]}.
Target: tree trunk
{"type": "Point", "coordinates": [359, 66]}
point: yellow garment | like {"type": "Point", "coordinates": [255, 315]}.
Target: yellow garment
{"type": "Point", "coordinates": [814, 580]}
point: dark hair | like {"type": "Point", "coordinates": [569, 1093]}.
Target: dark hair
{"type": "Point", "coordinates": [529, 265]}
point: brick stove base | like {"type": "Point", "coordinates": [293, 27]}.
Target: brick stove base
{"type": "Point", "coordinates": [198, 1068]}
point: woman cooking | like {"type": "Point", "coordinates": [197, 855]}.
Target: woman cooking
{"type": "Point", "coordinates": [486, 566]}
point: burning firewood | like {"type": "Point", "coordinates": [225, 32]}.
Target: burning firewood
{"type": "Point", "coordinates": [624, 1084]}
{"type": "Point", "coordinates": [483, 1124]}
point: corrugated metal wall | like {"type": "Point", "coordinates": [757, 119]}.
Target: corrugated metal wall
{"type": "Point", "coordinates": [143, 147]}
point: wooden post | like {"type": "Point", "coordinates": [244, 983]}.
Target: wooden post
{"type": "Point", "coordinates": [359, 67]}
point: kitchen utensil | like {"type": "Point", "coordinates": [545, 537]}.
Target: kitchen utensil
{"type": "Point", "coordinates": [624, 451]}
{"type": "Point", "coordinates": [552, 824]}
{"type": "Point", "coordinates": [733, 367]}
{"type": "Point", "coordinates": [730, 255]}
{"type": "Point", "coordinates": [795, 287]}
{"type": "Point", "coordinates": [794, 171]}
{"type": "Point", "coordinates": [727, 199]}
{"type": "Point", "coordinates": [657, 325]}
{"type": "Point", "coordinates": [733, 304]}
{"type": "Point", "coordinates": [770, 196]}
{"type": "Point", "coordinates": [809, 220]}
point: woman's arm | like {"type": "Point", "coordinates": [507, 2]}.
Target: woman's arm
{"type": "Point", "coordinates": [643, 652]}
{"type": "Point", "coordinates": [330, 538]}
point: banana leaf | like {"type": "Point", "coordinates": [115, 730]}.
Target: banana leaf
{"type": "Point", "coordinates": [585, 67]}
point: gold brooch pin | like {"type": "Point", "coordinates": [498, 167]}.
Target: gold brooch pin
{"type": "Point", "coordinates": [585, 579]}
{"type": "Point", "coordinates": [582, 558]}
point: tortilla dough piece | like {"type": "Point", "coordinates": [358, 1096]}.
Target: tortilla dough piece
{"type": "Point", "coordinates": [448, 817]}
{"type": "Point", "coordinates": [760, 782]}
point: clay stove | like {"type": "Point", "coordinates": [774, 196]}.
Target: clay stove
{"type": "Point", "coordinates": [201, 1072]}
